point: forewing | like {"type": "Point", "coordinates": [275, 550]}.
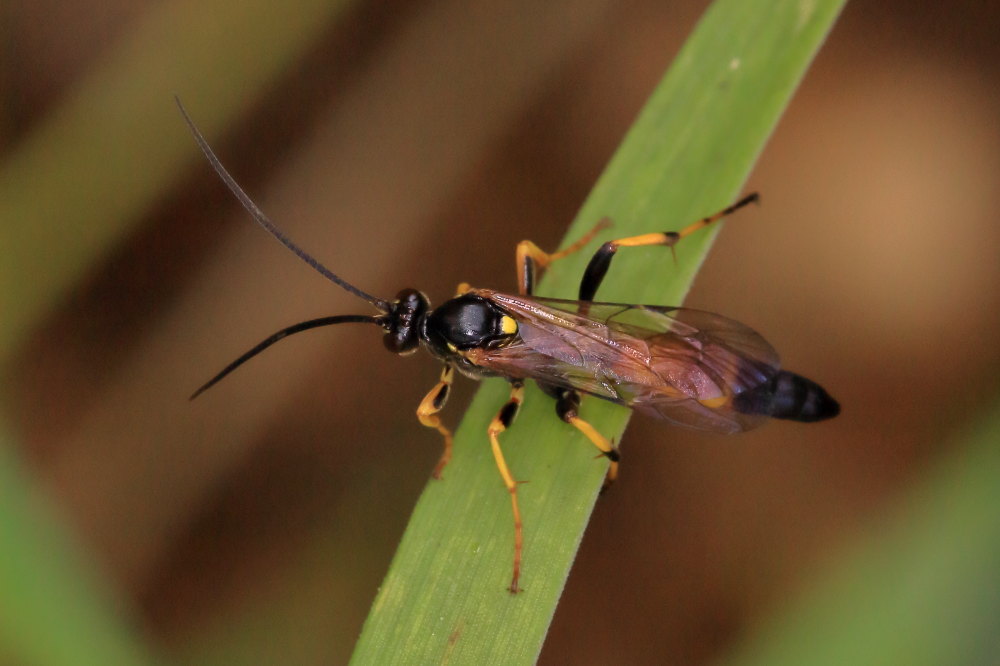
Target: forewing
{"type": "Point", "coordinates": [678, 364]}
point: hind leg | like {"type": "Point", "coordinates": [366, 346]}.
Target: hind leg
{"type": "Point", "coordinates": [567, 408]}
{"type": "Point", "coordinates": [601, 261]}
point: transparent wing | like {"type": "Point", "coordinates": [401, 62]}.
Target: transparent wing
{"type": "Point", "coordinates": [677, 364]}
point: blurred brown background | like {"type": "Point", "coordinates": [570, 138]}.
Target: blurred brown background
{"type": "Point", "coordinates": [276, 500]}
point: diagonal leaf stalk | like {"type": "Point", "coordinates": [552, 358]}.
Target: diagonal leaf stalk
{"type": "Point", "coordinates": [687, 155]}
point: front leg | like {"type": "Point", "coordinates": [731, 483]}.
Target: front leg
{"type": "Point", "coordinates": [428, 410]}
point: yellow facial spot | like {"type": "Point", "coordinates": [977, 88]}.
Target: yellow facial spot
{"type": "Point", "coordinates": [508, 325]}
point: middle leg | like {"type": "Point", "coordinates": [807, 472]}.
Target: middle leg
{"type": "Point", "coordinates": [500, 423]}
{"type": "Point", "coordinates": [532, 260]}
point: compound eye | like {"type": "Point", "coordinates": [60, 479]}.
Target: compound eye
{"type": "Point", "coordinates": [402, 341]}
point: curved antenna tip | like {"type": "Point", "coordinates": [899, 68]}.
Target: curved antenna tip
{"type": "Point", "coordinates": [260, 218]}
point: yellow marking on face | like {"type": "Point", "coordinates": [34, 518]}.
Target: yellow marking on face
{"type": "Point", "coordinates": [713, 403]}
{"type": "Point", "coordinates": [508, 325]}
{"type": "Point", "coordinates": [452, 348]}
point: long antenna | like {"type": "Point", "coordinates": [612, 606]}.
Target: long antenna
{"type": "Point", "coordinates": [262, 219]}
{"type": "Point", "coordinates": [284, 333]}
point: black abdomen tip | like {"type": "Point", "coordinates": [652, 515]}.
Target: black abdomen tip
{"type": "Point", "coordinates": [788, 396]}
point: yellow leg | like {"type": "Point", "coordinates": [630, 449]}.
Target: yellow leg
{"type": "Point", "coordinates": [599, 263]}
{"type": "Point", "coordinates": [428, 410]}
{"type": "Point", "coordinates": [501, 422]}
{"type": "Point", "coordinates": [601, 442]}
{"type": "Point", "coordinates": [567, 407]}
{"type": "Point", "coordinates": [670, 238]}
{"type": "Point", "coordinates": [532, 260]}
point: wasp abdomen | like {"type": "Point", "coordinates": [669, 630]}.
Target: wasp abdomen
{"type": "Point", "coordinates": [788, 396]}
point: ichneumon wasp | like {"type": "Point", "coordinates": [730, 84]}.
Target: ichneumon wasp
{"type": "Point", "coordinates": [688, 367]}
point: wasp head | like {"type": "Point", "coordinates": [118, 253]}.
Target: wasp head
{"type": "Point", "coordinates": [404, 320]}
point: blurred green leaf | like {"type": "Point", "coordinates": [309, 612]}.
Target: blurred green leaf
{"type": "Point", "coordinates": [68, 192]}
{"type": "Point", "coordinates": [54, 608]}
{"type": "Point", "coordinates": [687, 155]}
{"type": "Point", "coordinates": [922, 588]}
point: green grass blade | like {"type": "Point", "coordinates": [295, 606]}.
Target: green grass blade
{"type": "Point", "coordinates": [687, 155]}
{"type": "Point", "coordinates": [922, 588]}
{"type": "Point", "coordinates": [54, 609]}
